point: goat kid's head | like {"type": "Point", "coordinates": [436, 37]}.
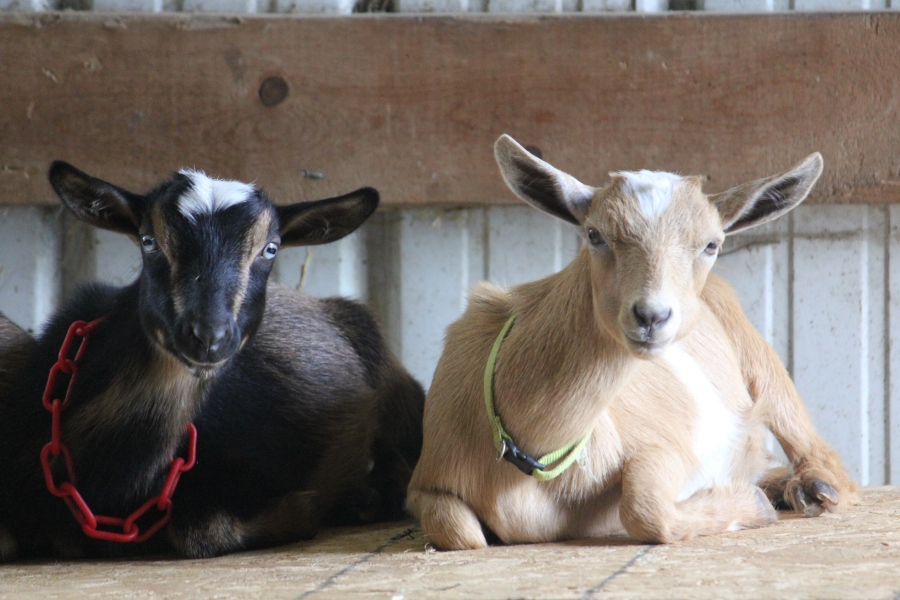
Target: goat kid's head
{"type": "Point", "coordinates": [208, 247]}
{"type": "Point", "coordinates": [653, 236]}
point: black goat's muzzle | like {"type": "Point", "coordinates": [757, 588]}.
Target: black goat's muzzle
{"type": "Point", "coordinates": [207, 342]}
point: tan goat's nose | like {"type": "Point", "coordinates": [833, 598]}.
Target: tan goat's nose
{"type": "Point", "coordinates": [651, 317]}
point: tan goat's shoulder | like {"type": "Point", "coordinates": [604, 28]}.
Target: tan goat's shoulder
{"type": "Point", "coordinates": [723, 301]}
{"type": "Point", "coordinates": [720, 296]}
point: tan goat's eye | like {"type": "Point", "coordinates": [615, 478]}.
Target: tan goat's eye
{"type": "Point", "coordinates": [595, 238]}
{"type": "Point", "coordinates": [712, 248]}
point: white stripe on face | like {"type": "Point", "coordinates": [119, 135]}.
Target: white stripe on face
{"type": "Point", "coordinates": [207, 195]}
{"type": "Point", "coordinates": [653, 189]}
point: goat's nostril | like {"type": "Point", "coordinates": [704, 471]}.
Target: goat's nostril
{"type": "Point", "coordinates": [649, 317]}
{"type": "Point", "coordinates": [209, 335]}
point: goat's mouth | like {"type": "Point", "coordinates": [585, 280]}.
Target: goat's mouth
{"type": "Point", "coordinates": [203, 365]}
{"type": "Point", "coordinates": [646, 346]}
{"type": "Point", "coordinates": [201, 369]}
{"type": "Point", "coordinates": [205, 359]}
{"type": "Point", "coordinates": [202, 361]}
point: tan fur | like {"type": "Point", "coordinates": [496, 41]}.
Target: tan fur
{"type": "Point", "coordinates": [253, 244]}
{"type": "Point", "coordinates": [160, 230]}
{"type": "Point", "coordinates": [568, 368]}
{"type": "Point", "coordinates": [168, 379]}
{"type": "Point", "coordinates": [777, 402]}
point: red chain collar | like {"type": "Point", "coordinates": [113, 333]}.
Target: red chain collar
{"type": "Point", "coordinates": [67, 491]}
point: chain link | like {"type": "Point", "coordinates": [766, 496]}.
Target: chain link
{"type": "Point", "coordinates": [89, 522]}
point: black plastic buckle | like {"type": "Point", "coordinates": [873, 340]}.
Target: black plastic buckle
{"type": "Point", "coordinates": [519, 459]}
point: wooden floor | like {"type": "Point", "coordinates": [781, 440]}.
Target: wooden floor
{"type": "Point", "coordinates": [852, 555]}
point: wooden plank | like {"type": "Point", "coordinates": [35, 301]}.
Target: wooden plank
{"type": "Point", "coordinates": [849, 555]}
{"type": "Point", "coordinates": [441, 254]}
{"type": "Point", "coordinates": [412, 104]}
{"type": "Point", "coordinates": [524, 244]}
{"type": "Point", "coordinates": [839, 256]}
{"type": "Point", "coordinates": [29, 289]}
{"type": "Point", "coordinates": [892, 406]}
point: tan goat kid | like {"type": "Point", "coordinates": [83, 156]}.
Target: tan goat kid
{"type": "Point", "coordinates": [636, 348]}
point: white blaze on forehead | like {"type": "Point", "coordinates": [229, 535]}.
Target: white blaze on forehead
{"type": "Point", "coordinates": [207, 195]}
{"type": "Point", "coordinates": [653, 189]}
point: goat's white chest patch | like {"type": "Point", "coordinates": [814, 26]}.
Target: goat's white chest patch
{"type": "Point", "coordinates": [207, 195]}
{"type": "Point", "coordinates": [716, 428]}
{"type": "Point", "coordinates": [653, 190]}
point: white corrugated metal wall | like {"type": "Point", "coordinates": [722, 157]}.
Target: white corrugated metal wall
{"type": "Point", "coordinates": [817, 283]}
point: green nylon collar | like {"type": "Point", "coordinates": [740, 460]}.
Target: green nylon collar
{"type": "Point", "coordinates": [565, 456]}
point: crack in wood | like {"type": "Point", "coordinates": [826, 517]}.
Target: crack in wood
{"type": "Point", "coordinates": [406, 533]}
{"type": "Point", "coordinates": [599, 587]}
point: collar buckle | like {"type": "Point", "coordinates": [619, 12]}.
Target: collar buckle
{"type": "Point", "coordinates": [519, 459]}
{"type": "Point", "coordinates": [503, 448]}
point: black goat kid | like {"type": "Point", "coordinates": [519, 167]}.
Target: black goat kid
{"type": "Point", "coordinates": [304, 416]}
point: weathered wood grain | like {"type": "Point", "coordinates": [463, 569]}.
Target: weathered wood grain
{"type": "Point", "coordinates": [412, 104]}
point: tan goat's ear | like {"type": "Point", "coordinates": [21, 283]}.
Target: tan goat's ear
{"type": "Point", "coordinates": [540, 184]}
{"type": "Point", "coordinates": [757, 202]}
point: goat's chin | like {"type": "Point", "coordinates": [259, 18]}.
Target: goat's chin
{"type": "Point", "coordinates": [202, 369]}
{"type": "Point", "coordinates": [646, 349]}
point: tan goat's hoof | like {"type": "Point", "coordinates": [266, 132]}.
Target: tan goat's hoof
{"type": "Point", "coordinates": [813, 497]}
{"type": "Point", "coordinates": [768, 515]}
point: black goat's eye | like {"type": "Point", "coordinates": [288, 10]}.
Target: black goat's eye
{"type": "Point", "coordinates": [595, 238]}
{"type": "Point", "coordinates": [148, 243]}
{"type": "Point", "coordinates": [270, 250]}
{"type": "Point", "coordinates": [712, 248]}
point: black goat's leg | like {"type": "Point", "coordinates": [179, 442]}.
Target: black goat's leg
{"type": "Point", "coordinates": [291, 518]}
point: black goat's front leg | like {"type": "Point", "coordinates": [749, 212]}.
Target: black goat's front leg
{"type": "Point", "coordinates": [203, 534]}
{"type": "Point", "coordinates": [9, 547]}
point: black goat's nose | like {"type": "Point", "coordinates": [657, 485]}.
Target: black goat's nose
{"type": "Point", "coordinates": [649, 317]}
{"type": "Point", "coordinates": [210, 335]}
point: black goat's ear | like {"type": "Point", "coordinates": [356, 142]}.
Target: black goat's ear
{"type": "Point", "coordinates": [324, 221]}
{"type": "Point", "coordinates": [94, 201]}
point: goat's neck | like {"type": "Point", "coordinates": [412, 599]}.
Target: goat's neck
{"type": "Point", "coordinates": [142, 410]}
{"type": "Point", "coordinates": [558, 368]}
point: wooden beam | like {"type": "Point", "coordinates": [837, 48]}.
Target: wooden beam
{"type": "Point", "coordinates": [412, 104]}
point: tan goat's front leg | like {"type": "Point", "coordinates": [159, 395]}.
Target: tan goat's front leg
{"type": "Point", "coordinates": [817, 480]}
{"type": "Point", "coordinates": [650, 510]}
{"type": "Point", "coordinates": [515, 509]}
{"type": "Point", "coordinates": [448, 522]}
